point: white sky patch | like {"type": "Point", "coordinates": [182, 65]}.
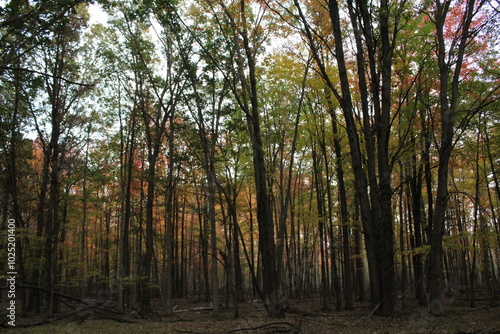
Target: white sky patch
{"type": "Point", "coordinates": [97, 14]}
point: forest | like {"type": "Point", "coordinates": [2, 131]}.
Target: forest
{"type": "Point", "coordinates": [216, 153]}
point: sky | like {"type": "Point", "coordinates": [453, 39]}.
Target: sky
{"type": "Point", "coordinates": [97, 15]}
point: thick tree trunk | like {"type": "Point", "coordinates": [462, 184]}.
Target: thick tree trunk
{"type": "Point", "coordinates": [267, 250]}
{"type": "Point", "coordinates": [448, 99]}
{"type": "Point", "coordinates": [52, 218]}
{"type": "Point", "coordinates": [167, 267]}
{"type": "Point", "coordinates": [375, 201]}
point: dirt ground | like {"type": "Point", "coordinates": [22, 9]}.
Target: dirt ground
{"type": "Point", "coordinates": [302, 317]}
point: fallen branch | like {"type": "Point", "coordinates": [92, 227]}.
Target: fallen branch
{"type": "Point", "coordinates": [102, 315]}
{"type": "Point", "coordinates": [98, 311]}
{"type": "Point", "coordinates": [195, 309]}
{"type": "Point", "coordinates": [477, 308]}
{"type": "Point", "coordinates": [56, 318]}
{"type": "Point", "coordinates": [136, 313]}
{"type": "Point", "coordinates": [188, 332]}
{"type": "Point", "coordinates": [179, 318]}
{"type": "Point", "coordinates": [291, 309]}
{"type": "Point", "coordinates": [371, 313]}
{"type": "Point", "coordinates": [68, 305]}
{"type": "Point", "coordinates": [96, 304]}
{"type": "Point", "coordinates": [56, 293]}
{"type": "Point", "coordinates": [273, 325]}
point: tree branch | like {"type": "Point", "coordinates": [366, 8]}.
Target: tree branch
{"type": "Point", "coordinates": [47, 75]}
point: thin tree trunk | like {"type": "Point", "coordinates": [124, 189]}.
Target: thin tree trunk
{"type": "Point", "coordinates": [83, 235]}
{"type": "Point", "coordinates": [167, 271]}
{"type": "Point", "coordinates": [287, 198]}
{"type": "Point", "coordinates": [127, 211]}
{"type": "Point", "coordinates": [416, 204]}
{"type": "Point", "coordinates": [325, 291]}
{"type": "Point", "coordinates": [344, 213]}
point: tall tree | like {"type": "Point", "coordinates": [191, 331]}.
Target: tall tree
{"type": "Point", "coordinates": [450, 53]}
{"type": "Point", "coordinates": [241, 32]}
{"type": "Point", "coordinates": [62, 96]}
{"type": "Point", "coordinates": [373, 180]}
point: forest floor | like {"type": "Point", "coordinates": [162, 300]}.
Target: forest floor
{"type": "Point", "coordinates": [302, 317]}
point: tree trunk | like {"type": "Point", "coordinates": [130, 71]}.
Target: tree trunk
{"type": "Point", "coordinates": [325, 291]}
{"type": "Point", "coordinates": [416, 205]}
{"type": "Point", "coordinates": [267, 248]}
{"type": "Point", "coordinates": [344, 213]}
{"type": "Point", "coordinates": [168, 253]}
{"type": "Point", "coordinates": [448, 100]}
{"type": "Point", "coordinates": [126, 187]}
{"type": "Point", "coordinates": [145, 297]}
